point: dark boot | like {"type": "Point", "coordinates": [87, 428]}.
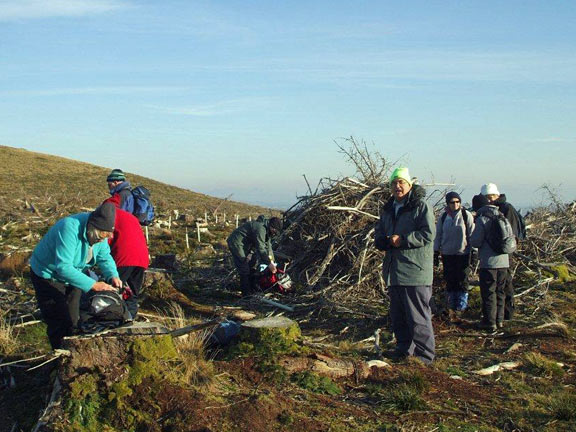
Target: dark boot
{"type": "Point", "coordinates": [245, 285]}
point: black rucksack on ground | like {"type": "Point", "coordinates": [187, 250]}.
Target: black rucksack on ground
{"type": "Point", "coordinates": [102, 310]}
{"type": "Point", "coordinates": [143, 208]}
{"type": "Point", "coordinates": [499, 234]}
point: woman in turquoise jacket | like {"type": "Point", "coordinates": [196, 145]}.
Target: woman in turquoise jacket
{"type": "Point", "coordinates": [73, 245]}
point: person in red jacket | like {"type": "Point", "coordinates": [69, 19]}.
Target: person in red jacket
{"type": "Point", "coordinates": [130, 252]}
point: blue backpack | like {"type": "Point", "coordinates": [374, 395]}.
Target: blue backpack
{"type": "Point", "coordinates": [143, 208]}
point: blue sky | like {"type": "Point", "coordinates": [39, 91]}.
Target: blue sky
{"type": "Point", "coordinates": [244, 97]}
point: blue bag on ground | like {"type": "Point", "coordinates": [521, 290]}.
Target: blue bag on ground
{"type": "Point", "coordinates": [224, 333]}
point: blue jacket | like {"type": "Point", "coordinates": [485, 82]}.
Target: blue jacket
{"type": "Point", "coordinates": [63, 253]}
{"type": "Point", "coordinates": [126, 200]}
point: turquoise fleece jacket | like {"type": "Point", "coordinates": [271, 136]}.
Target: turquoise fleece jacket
{"type": "Point", "coordinates": [63, 251]}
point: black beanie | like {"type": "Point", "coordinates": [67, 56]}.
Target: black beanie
{"type": "Point", "coordinates": [103, 217]}
{"type": "Point", "coordinates": [479, 201]}
{"type": "Point", "coordinates": [451, 195]}
{"type": "Point", "coordinates": [275, 223]}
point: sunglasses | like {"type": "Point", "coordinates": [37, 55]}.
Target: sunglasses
{"type": "Point", "coordinates": [454, 202]}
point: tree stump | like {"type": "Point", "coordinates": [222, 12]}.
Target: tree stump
{"type": "Point", "coordinates": [274, 334]}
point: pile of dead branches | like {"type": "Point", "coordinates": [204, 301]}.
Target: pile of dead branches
{"type": "Point", "coordinates": [551, 239]}
{"type": "Point", "coordinates": [330, 234]}
{"type": "Point", "coordinates": [330, 239]}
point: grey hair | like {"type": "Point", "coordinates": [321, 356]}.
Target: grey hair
{"type": "Point", "coordinates": [94, 234]}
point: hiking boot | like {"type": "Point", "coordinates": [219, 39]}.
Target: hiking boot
{"type": "Point", "coordinates": [395, 355]}
{"type": "Point", "coordinates": [486, 326]}
{"type": "Point", "coordinates": [500, 324]}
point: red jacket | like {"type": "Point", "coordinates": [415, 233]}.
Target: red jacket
{"type": "Point", "coordinates": [128, 247]}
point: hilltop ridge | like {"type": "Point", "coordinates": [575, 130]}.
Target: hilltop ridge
{"type": "Point", "coordinates": [25, 175]}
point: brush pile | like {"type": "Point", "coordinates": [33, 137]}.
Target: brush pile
{"type": "Point", "coordinates": [551, 240]}
{"type": "Point", "coordinates": [330, 234]}
{"type": "Point", "coordinates": [330, 239]}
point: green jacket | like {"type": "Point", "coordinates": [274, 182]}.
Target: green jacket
{"type": "Point", "coordinates": [411, 264]}
{"type": "Point", "coordinates": [252, 236]}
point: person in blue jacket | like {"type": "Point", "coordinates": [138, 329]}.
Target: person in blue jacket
{"type": "Point", "coordinates": [58, 264]}
{"type": "Point", "coordinates": [120, 190]}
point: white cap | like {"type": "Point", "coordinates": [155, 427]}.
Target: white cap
{"type": "Point", "coordinates": [489, 189]}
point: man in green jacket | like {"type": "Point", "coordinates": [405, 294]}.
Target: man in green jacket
{"type": "Point", "coordinates": [73, 245]}
{"type": "Point", "coordinates": [251, 242]}
{"type": "Point", "coordinates": [406, 233]}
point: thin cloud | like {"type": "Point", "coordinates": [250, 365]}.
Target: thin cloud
{"type": "Point", "coordinates": [13, 10]}
{"type": "Point", "coordinates": [417, 65]}
{"type": "Point", "coordinates": [549, 140]}
{"type": "Point", "coordinates": [92, 91]}
{"type": "Point", "coordinates": [214, 109]}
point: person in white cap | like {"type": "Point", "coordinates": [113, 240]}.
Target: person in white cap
{"type": "Point", "coordinates": [406, 233]}
{"type": "Point", "coordinates": [491, 192]}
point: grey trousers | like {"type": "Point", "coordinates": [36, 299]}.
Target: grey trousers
{"type": "Point", "coordinates": [411, 319]}
{"type": "Point", "coordinates": [493, 292]}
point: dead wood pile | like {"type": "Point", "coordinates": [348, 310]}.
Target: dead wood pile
{"type": "Point", "coordinates": [330, 233]}
{"type": "Point", "coordinates": [551, 241]}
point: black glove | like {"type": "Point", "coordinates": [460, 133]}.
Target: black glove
{"type": "Point", "coordinates": [436, 259]}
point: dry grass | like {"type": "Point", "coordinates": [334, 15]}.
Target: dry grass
{"type": "Point", "coordinates": [8, 342]}
{"type": "Point", "coordinates": [194, 369]}
{"type": "Point", "coordinates": [540, 365]}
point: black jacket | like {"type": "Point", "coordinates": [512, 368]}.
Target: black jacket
{"type": "Point", "coordinates": [511, 214]}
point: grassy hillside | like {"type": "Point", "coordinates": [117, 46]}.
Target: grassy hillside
{"type": "Point", "coordinates": [26, 175]}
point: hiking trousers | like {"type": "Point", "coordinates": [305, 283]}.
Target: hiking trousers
{"type": "Point", "coordinates": [456, 272]}
{"type": "Point", "coordinates": [134, 277]}
{"type": "Point", "coordinates": [509, 305]}
{"type": "Point", "coordinates": [492, 291]}
{"type": "Point", "coordinates": [411, 319]}
{"type": "Point", "coordinates": [245, 265]}
{"type": "Point", "coordinates": [60, 308]}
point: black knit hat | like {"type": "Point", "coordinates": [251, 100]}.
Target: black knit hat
{"type": "Point", "coordinates": [451, 195]}
{"type": "Point", "coordinates": [116, 175]}
{"type": "Point", "coordinates": [479, 201]}
{"type": "Point", "coordinates": [103, 217]}
{"type": "Point", "coordinates": [275, 224]}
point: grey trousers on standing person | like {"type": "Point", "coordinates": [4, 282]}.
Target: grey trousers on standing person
{"type": "Point", "coordinates": [493, 292]}
{"type": "Point", "coordinates": [411, 319]}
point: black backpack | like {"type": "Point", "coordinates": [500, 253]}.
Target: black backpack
{"type": "Point", "coordinates": [143, 208]}
{"type": "Point", "coordinates": [103, 310]}
{"type": "Point", "coordinates": [499, 234]}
